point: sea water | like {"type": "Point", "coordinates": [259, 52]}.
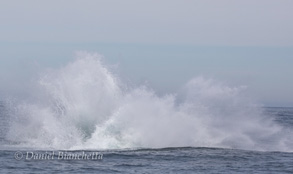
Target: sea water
{"type": "Point", "coordinates": [82, 118]}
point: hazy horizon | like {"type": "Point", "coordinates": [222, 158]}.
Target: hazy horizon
{"type": "Point", "coordinates": [163, 44]}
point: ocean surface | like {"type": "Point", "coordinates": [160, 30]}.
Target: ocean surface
{"type": "Point", "coordinates": [82, 118]}
{"type": "Point", "coordinates": [155, 160]}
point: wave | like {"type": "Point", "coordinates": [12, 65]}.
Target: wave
{"type": "Point", "coordinates": [83, 105]}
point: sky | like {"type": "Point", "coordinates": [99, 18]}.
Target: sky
{"type": "Point", "coordinates": [165, 42]}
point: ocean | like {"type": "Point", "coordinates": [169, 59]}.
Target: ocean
{"type": "Point", "coordinates": [156, 160]}
{"type": "Point", "coordinates": [82, 118]}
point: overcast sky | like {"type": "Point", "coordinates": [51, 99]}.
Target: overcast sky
{"type": "Point", "coordinates": [167, 42]}
{"type": "Point", "coordinates": [201, 22]}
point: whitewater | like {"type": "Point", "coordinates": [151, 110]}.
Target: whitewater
{"type": "Point", "coordinates": [85, 106]}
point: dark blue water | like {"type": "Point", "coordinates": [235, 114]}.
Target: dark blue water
{"type": "Point", "coordinates": [164, 160]}
{"type": "Point", "coordinates": [167, 160]}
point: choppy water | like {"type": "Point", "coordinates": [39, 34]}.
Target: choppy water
{"type": "Point", "coordinates": [162, 160]}
{"type": "Point", "coordinates": [166, 160]}
{"type": "Point", "coordinates": [83, 108]}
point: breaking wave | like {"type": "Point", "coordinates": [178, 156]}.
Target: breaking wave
{"type": "Point", "coordinates": [83, 105]}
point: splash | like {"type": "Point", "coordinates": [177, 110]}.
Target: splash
{"type": "Point", "coordinates": [85, 106]}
